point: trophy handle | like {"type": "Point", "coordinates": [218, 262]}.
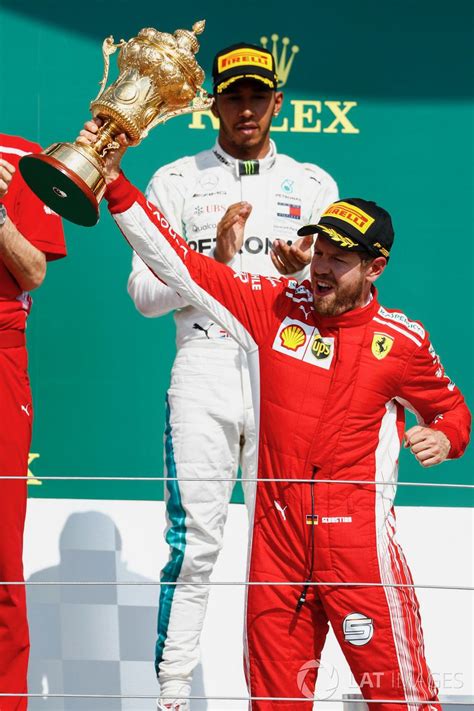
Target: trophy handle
{"type": "Point", "coordinates": [202, 102]}
{"type": "Point", "coordinates": [108, 47]}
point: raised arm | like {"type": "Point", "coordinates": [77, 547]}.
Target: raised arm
{"type": "Point", "coordinates": [241, 303]}
{"type": "Point", "coordinates": [150, 295]}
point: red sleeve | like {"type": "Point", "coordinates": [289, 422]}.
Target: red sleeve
{"type": "Point", "coordinates": [38, 223]}
{"type": "Point", "coordinates": [243, 304]}
{"type": "Point", "coordinates": [430, 393]}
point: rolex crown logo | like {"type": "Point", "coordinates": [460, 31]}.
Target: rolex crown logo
{"type": "Point", "coordinates": [283, 62]}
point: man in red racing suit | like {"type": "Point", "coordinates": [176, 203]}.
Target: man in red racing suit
{"type": "Point", "coordinates": [31, 235]}
{"type": "Point", "coordinates": [332, 372]}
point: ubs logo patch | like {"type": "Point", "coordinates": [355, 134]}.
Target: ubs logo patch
{"type": "Point", "coordinates": [304, 342]}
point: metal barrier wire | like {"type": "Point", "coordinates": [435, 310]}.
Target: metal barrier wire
{"type": "Point", "coordinates": [245, 479]}
{"type": "Point", "coordinates": [256, 480]}
{"type": "Point", "coordinates": [239, 583]}
{"type": "Point", "coordinates": [251, 480]}
{"type": "Point", "coordinates": [237, 698]}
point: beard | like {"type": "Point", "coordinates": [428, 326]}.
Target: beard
{"type": "Point", "coordinates": [342, 299]}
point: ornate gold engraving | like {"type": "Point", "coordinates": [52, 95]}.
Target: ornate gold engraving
{"type": "Point", "coordinates": [159, 78]}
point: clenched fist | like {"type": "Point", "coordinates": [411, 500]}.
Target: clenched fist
{"type": "Point", "coordinates": [429, 446]}
{"type": "Point", "coordinates": [88, 136]}
{"type": "Point", "coordinates": [7, 172]}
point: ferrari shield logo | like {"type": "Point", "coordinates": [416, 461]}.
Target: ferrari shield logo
{"type": "Point", "coordinates": [381, 345]}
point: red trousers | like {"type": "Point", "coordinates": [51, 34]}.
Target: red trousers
{"type": "Point", "coordinates": [15, 435]}
{"type": "Point", "coordinates": [377, 628]}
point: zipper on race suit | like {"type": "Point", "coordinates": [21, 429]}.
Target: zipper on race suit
{"type": "Point", "coordinates": [302, 598]}
{"type": "Point", "coordinates": [309, 579]}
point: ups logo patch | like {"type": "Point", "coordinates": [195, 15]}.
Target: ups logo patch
{"type": "Point", "coordinates": [303, 341]}
{"type": "Point", "coordinates": [320, 348]}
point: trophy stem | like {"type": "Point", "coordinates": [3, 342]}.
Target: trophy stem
{"type": "Point", "coordinates": [106, 135]}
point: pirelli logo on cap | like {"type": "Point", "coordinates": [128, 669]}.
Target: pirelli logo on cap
{"type": "Point", "coordinates": [238, 57]}
{"type": "Point", "coordinates": [351, 214]}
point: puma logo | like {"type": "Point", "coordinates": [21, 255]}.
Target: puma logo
{"type": "Point", "coordinates": [25, 408]}
{"type": "Point", "coordinates": [306, 313]}
{"type": "Point", "coordinates": [279, 508]}
{"type": "Point", "coordinates": [198, 327]}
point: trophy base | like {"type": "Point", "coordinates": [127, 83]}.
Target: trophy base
{"type": "Point", "coordinates": [67, 178]}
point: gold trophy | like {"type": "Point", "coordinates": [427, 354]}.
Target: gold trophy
{"type": "Point", "coordinates": [159, 78]}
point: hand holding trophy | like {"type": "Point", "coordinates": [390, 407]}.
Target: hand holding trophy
{"type": "Point", "coordinates": [159, 78]}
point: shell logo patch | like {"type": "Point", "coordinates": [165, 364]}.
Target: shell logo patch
{"type": "Point", "coordinates": [304, 342]}
{"type": "Point", "coordinates": [293, 337]}
{"type": "Point", "coordinates": [351, 214]}
{"type": "Point", "coordinates": [381, 345]}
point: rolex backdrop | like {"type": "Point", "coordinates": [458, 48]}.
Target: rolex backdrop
{"type": "Point", "coordinates": [377, 94]}
{"type": "Point", "coordinates": [380, 95]}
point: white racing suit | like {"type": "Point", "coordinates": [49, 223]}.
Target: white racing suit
{"type": "Point", "coordinates": [209, 423]}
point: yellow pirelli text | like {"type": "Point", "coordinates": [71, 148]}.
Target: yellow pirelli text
{"type": "Point", "coordinates": [244, 56]}
{"type": "Point", "coordinates": [351, 214]}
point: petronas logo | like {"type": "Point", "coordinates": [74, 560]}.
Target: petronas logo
{"type": "Point", "coordinates": [284, 59]}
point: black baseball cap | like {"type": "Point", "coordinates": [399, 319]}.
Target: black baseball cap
{"type": "Point", "coordinates": [356, 225]}
{"type": "Point", "coordinates": [243, 61]}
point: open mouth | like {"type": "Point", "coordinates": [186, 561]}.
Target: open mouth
{"type": "Point", "coordinates": [322, 287]}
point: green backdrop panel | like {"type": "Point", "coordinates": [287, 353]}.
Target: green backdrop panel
{"type": "Point", "coordinates": [377, 94]}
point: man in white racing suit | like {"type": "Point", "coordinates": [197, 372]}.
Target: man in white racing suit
{"type": "Point", "coordinates": [209, 426]}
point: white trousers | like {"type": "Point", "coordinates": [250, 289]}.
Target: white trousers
{"type": "Point", "coordinates": [210, 432]}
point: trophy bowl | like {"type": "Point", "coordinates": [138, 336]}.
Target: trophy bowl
{"type": "Point", "coordinates": [159, 78]}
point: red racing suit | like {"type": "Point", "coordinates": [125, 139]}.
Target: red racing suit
{"type": "Point", "coordinates": [329, 399]}
{"type": "Point", "coordinates": [43, 228]}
